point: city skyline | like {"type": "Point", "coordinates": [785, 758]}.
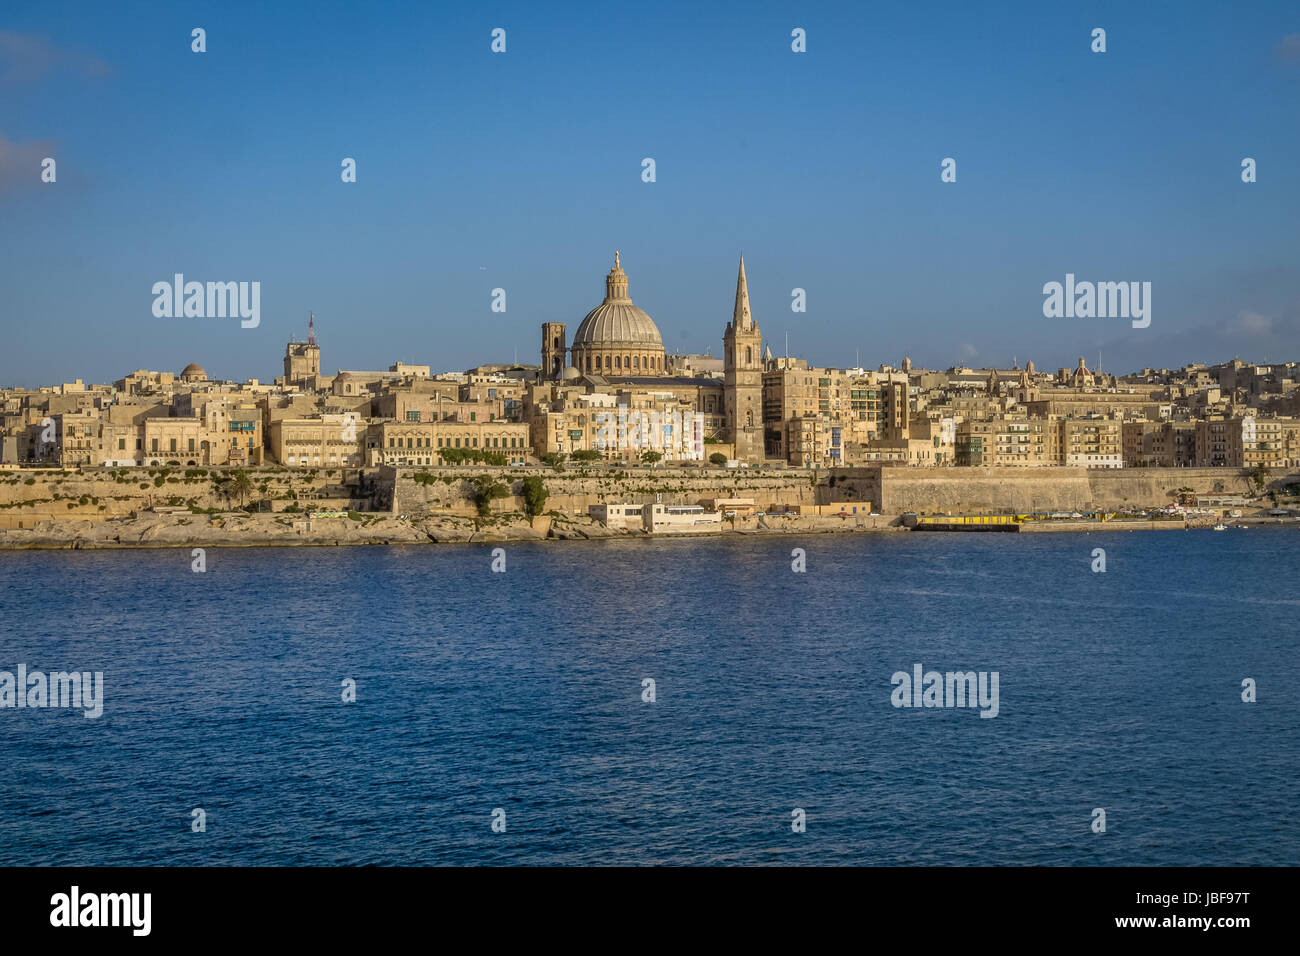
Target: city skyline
{"type": "Point", "coordinates": [518, 170]}
{"type": "Point", "coordinates": [310, 332]}
{"type": "Point", "coordinates": [169, 292]}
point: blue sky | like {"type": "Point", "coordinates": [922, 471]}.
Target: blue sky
{"type": "Point", "coordinates": [523, 171]}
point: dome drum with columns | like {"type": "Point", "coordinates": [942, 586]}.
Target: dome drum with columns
{"type": "Point", "coordinates": [616, 338]}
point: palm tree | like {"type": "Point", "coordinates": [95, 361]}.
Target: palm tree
{"type": "Point", "coordinates": [221, 486]}
{"type": "Point", "coordinates": [241, 485]}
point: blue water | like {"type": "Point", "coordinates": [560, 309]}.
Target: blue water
{"type": "Point", "coordinates": [522, 691]}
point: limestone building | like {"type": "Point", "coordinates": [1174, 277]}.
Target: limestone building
{"type": "Point", "coordinates": [302, 359]}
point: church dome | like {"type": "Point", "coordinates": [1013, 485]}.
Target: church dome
{"type": "Point", "coordinates": [616, 338]}
{"type": "Point", "coordinates": [616, 322]}
{"type": "Point", "coordinates": [617, 325]}
{"type": "Point", "coordinates": [193, 373]}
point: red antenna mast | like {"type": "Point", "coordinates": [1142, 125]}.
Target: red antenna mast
{"type": "Point", "coordinates": [311, 328]}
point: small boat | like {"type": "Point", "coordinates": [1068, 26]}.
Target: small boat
{"type": "Point", "coordinates": [1220, 527]}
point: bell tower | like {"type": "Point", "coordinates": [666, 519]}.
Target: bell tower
{"type": "Point", "coordinates": [743, 376]}
{"type": "Point", "coordinates": [553, 350]}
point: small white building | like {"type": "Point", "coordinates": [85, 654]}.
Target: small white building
{"type": "Point", "coordinates": [656, 518]}
{"type": "Point", "coordinates": [620, 516]}
{"type": "Point", "coordinates": [676, 519]}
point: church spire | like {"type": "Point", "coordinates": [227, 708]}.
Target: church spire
{"type": "Point", "coordinates": [741, 318]}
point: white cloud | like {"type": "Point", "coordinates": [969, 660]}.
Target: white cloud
{"type": "Point", "coordinates": [20, 163]}
{"type": "Point", "coordinates": [28, 59]}
{"type": "Point", "coordinates": [1251, 323]}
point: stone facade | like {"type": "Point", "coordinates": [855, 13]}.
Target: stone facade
{"type": "Point", "coordinates": [742, 345]}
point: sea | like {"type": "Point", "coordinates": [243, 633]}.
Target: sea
{"type": "Point", "coordinates": [729, 700]}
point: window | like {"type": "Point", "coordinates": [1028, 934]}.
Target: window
{"type": "Point", "coordinates": [413, 416]}
{"type": "Point", "coordinates": [121, 444]}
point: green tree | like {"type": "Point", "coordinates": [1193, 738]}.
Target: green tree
{"type": "Point", "coordinates": [534, 495]}
{"type": "Point", "coordinates": [586, 454]}
{"type": "Point", "coordinates": [651, 457]}
{"type": "Point", "coordinates": [241, 485]}
{"type": "Point", "coordinates": [554, 459]}
{"type": "Point", "coordinates": [459, 456]}
{"type": "Point", "coordinates": [221, 484]}
{"type": "Point", "coordinates": [1260, 477]}
{"type": "Point", "coordinates": [484, 489]}
{"type": "Point", "coordinates": [718, 458]}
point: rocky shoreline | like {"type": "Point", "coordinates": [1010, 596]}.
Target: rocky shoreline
{"type": "Point", "coordinates": [241, 530]}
